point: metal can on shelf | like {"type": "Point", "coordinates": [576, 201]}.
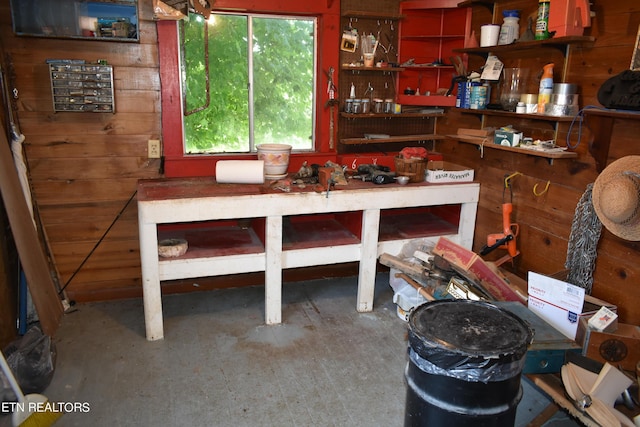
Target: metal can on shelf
{"type": "Point", "coordinates": [478, 97]}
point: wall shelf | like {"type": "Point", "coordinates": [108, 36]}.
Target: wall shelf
{"type": "Point", "coordinates": [541, 117]}
{"type": "Point", "coordinates": [359, 68]}
{"type": "Point", "coordinates": [429, 35]}
{"type": "Point", "coordinates": [483, 143]}
{"type": "Point", "coordinates": [388, 116]}
{"type": "Point", "coordinates": [553, 121]}
{"type": "Point", "coordinates": [431, 100]}
{"type": "Point", "coordinates": [401, 138]}
{"type": "Point", "coordinates": [486, 3]}
{"type": "Point", "coordinates": [560, 43]}
{"type": "Point", "coordinates": [601, 121]}
{"type": "Point", "coordinates": [427, 67]}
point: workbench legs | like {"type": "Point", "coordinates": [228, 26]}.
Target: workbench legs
{"type": "Point", "coordinates": [273, 271]}
{"type": "Point", "coordinates": [368, 259]}
{"type": "Point", "coordinates": [151, 293]}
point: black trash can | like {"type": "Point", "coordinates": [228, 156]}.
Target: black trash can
{"type": "Point", "coordinates": [465, 363]}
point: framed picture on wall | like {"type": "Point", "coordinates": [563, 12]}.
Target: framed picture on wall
{"type": "Point", "coordinates": [635, 59]}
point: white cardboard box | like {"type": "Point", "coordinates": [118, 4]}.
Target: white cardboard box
{"type": "Point", "coordinates": [440, 172]}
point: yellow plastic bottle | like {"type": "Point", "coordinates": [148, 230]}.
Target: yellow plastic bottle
{"type": "Point", "coordinates": [546, 87]}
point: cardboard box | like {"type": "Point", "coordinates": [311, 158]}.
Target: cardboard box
{"type": "Point", "coordinates": [590, 308]}
{"type": "Point", "coordinates": [620, 348]}
{"type": "Point", "coordinates": [507, 138]}
{"type": "Point", "coordinates": [440, 172]}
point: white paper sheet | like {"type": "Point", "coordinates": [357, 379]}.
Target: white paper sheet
{"type": "Point", "coordinates": [557, 302]}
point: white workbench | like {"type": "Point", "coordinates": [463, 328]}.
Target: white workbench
{"type": "Point", "coordinates": [198, 200]}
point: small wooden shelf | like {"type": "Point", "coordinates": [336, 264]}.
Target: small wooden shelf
{"type": "Point", "coordinates": [389, 115]}
{"type": "Point", "coordinates": [501, 113]}
{"type": "Point", "coordinates": [215, 241]}
{"type": "Point", "coordinates": [370, 15]}
{"type": "Point", "coordinates": [601, 122]}
{"type": "Point", "coordinates": [469, 3]}
{"type": "Point", "coordinates": [427, 67]}
{"type": "Point", "coordinates": [373, 69]}
{"type": "Point", "coordinates": [428, 101]}
{"type": "Point", "coordinates": [612, 114]}
{"type": "Point", "coordinates": [488, 143]}
{"type": "Point", "coordinates": [401, 138]}
{"type": "Point", "coordinates": [414, 226]}
{"type": "Point", "coordinates": [557, 42]}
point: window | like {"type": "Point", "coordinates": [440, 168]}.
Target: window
{"type": "Point", "coordinates": [247, 80]}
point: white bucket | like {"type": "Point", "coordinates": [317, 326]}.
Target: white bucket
{"type": "Point", "coordinates": [275, 157]}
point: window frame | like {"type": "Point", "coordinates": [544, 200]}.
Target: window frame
{"type": "Point", "coordinates": [250, 18]}
{"type": "Point", "coordinates": [176, 162]}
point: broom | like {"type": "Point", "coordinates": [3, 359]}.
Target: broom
{"type": "Point", "coordinates": [29, 409]}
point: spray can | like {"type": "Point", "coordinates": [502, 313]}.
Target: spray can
{"type": "Point", "coordinates": [546, 87]}
{"type": "Point", "coordinates": [542, 23]}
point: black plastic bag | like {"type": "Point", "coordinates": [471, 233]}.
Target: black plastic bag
{"type": "Point", "coordinates": [32, 358]}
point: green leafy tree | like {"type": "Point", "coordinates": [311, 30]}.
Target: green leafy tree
{"type": "Point", "coordinates": [283, 80]}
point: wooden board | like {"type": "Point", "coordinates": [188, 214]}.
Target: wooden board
{"type": "Point", "coordinates": [36, 268]}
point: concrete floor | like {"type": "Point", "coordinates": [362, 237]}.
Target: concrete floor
{"type": "Point", "coordinates": [219, 365]}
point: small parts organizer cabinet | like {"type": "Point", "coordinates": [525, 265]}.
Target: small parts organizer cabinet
{"type": "Point", "coordinates": [242, 228]}
{"type": "Point", "coordinates": [82, 87]}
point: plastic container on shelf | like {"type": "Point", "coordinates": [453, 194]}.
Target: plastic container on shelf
{"type": "Point", "coordinates": [510, 29]}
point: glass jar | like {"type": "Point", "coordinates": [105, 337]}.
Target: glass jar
{"type": "Point", "coordinates": [357, 106]}
{"type": "Point", "coordinates": [365, 106]}
{"type": "Point", "coordinates": [348, 106]}
{"type": "Point", "coordinates": [513, 85]}
{"type": "Point", "coordinates": [378, 105]}
{"type": "Point", "coordinates": [388, 106]}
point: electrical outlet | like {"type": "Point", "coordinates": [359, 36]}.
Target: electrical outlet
{"type": "Point", "coordinates": [153, 151]}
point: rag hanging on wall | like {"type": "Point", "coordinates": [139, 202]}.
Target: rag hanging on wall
{"type": "Point", "coordinates": [613, 201]}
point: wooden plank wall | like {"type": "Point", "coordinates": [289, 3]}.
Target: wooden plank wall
{"type": "Point", "coordinates": [84, 166]}
{"type": "Point", "coordinates": [545, 221]}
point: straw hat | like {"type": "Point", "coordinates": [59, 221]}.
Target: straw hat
{"type": "Point", "coordinates": [616, 198]}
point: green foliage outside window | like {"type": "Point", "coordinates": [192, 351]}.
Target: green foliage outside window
{"type": "Point", "coordinates": [283, 78]}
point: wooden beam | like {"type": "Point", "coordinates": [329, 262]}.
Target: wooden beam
{"type": "Point", "coordinates": [32, 257]}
